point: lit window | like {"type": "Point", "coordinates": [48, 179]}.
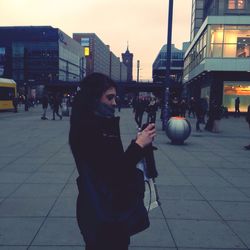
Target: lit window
{"type": "Point", "coordinates": [236, 4]}
{"type": "Point", "coordinates": [231, 4]}
{"type": "Point", "coordinates": [241, 4]}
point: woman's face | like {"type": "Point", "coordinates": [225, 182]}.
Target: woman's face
{"type": "Point", "coordinates": [108, 97]}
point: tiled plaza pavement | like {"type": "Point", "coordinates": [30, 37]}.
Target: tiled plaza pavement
{"type": "Point", "coordinates": [204, 186]}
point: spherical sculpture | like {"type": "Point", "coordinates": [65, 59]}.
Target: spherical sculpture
{"type": "Point", "coordinates": [178, 129]}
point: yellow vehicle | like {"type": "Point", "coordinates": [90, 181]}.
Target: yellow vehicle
{"type": "Point", "coordinates": [7, 92]}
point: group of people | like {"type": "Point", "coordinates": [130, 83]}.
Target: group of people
{"type": "Point", "coordinates": [55, 103]}
{"type": "Point", "coordinates": [146, 104]}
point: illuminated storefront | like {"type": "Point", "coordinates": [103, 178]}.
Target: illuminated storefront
{"type": "Point", "coordinates": [217, 63]}
{"type": "Point", "coordinates": [236, 89]}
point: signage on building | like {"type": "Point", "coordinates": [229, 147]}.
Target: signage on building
{"type": "Point", "coordinates": [85, 41]}
{"type": "Point", "coordinates": [86, 51]}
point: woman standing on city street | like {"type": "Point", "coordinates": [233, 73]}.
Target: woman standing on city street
{"type": "Point", "coordinates": [110, 202]}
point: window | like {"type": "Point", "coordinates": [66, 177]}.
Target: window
{"type": "Point", "coordinates": [236, 4]}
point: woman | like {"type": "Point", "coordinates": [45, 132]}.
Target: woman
{"type": "Point", "coordinates": [107, 198]}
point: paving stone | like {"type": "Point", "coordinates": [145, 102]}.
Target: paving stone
{"type": "Point", "coordinates": [201, 171]}
{"type": "Point", "coordinates": [242, 229]}
{"type": "Point", "coordinates": [64, 207]}
{"type": "Point", "coordinates": [13, 177]}
{"type": "Point", "coordinates": [223, 194]}
{"type": "Point", "coordinates": [18, 231]}
{"type": "Point", "coordinates": [203, 234]}
{"type": "Point", "coordinates": [56, 248]}
{"type": "Point", "coordinates": [7, 188]}
{"type": "Point", "coordinates": [208, 181]}
{"type": "Point", "coordinates": [12, 248]}
{"type": "Point", "coordinates": [152, 238]}
{"type": "Point", "coordinates": [59, 231]}
{"type": "Point", "coordinates": [232, 210]}
{"type": "Point", "coordinates": [48, 178]}
{"type": "Point", "coordinates": [29, 207]}
{"type": "Point", "coordinates": [27, 190]}
{"type": "Point", "coordinates": [178, 192]}
{"type": "Point", "coordinates": [179, 209]}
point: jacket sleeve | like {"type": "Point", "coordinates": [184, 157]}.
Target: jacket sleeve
{"type": "Point", "coordinates": [133, 154]}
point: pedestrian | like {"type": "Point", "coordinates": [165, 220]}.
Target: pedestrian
{"type": "Point", "coordinates": [139, 108]}
{"type": "Point", "coordinates": [56, 103]}
{"type": "Point", "coordinates": [118, 103]}
{"type": "Point", "coordinates": [107, 199]}
{"type": "Point", "coordinates": [151, 110]}
{"type": "Point", "coordinates": [237, 107]}
{"type": "Point", "coordinates": [15, 102]}
{"type": "Point", "coordinates": [183, 108]}
{"type": "Point", "coordinates": [45, 103]}
{"type": "Point", "coordinates": [191, 107]}
{"type": "Point", "coordinates": [199, 114]}
{"type": "Point", "coordinates": [248, 121]}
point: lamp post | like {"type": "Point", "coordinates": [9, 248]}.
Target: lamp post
{"type": "Point", "coordinates": [138, 69]}
{"type": "Point", "coordinates": [168, 64]}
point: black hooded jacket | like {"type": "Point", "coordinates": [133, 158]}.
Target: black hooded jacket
{"type": "Point", "coordinates": [96, 144]}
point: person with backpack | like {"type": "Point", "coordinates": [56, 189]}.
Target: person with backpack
{"type": "Point", "coordinates": [110, 204]}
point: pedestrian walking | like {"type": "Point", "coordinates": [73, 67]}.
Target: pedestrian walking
{"type": "Point", "coordinates": [15, 103]}
{"type": "Point", "coordinates": [56, 103]}
{"type": "Point", "coordinates": [199, 114]}
{"type": "Point", "coordinates": [237, 107]}
{"type": "Point", "coordinates": [191, 107]}
{"type": "Point", "coordinates": [248, 121]}
{"type": "Point", "coordinates": [140, 106]}
{"type": "Point", "coordinates": [151, 110]}
{"type": "Point", "coordinates": [109, 206]}
{"type": "Point", "coordinates": [45, 103]}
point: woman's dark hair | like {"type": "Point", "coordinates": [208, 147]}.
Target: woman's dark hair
{"type": "Point", "coordinates": [86, 100]}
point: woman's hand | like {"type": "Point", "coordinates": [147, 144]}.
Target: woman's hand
{"type": "Point", "coordinates": [146, 136]}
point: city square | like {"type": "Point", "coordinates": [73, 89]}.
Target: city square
{"type": "Point", "coordinates": [204, 186]}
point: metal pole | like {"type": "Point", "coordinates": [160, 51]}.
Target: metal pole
{"type": "Point", "coordinates": [166, 114]}
{"type": "Point", "coordinates": [138, 68]}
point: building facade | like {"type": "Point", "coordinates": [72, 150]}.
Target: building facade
{"type": "Point", "coordinates": [176, 66]}
{"type": "Point", "coordinates": [217, 63]}
{"type": "Point", "coordinates": [40, 55]}
{"type": "Point", "coordinates": [127, 59]}
{"type": "Point", "coordinates": [99, 58]}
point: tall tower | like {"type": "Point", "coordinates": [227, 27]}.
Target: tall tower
{"type": "Point", "coordinates": [127, 59]}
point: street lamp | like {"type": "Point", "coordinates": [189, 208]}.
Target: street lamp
{"type": "Point", "coordinates": [166, 115]}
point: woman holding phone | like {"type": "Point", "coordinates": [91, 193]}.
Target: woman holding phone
{"type": "Point", "coordinates": [105, 169]}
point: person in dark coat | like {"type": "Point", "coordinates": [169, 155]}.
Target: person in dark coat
{"type": "Point", "coordinates": [139, 108]}
{"type": "Point", "coordinates": [56, 103]}
{"type": "Point", "coordinates": [237, 107]}
{"type": "Point", "coordinates": [151, 110]}
{"type": "Point", "coordinates": [248, 121]}
{"type": "Point", "coordinates": [199, 114]}
{"type": "Point", "coordinates": [45, 103]}
{"type": "Point", "coordinates": [105, 169]}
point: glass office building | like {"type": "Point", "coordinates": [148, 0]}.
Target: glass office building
{"type": "Point", "coordinates": [40, 55]}
{"type": "Point", "coordinates": [217, 63]}
{"type": "Point", "coordinates": [99, 58]}
{"type": "Point", "coordinates": [176, 67]}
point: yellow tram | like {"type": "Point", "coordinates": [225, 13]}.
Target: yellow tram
{"type": "Point", "coordinates": [7, 93]}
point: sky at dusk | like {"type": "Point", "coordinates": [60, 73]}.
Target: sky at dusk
{"type": "Point", "coordinates": [143, 23]}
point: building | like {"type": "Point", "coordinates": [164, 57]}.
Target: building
{"type": "Point", "coordinates": [127, 59]}
{"type": "Point", "coordinates": [40, 55]}
{"type": "Point", "coordinates": [176, 66]}
{"type": "Point", "coordinates": [99, 58]}
{"type": "Point", "coordinates": [217, 63]}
